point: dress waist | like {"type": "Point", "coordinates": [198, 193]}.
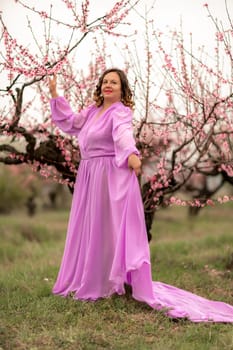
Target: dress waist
{"type": "Point", "coordinates": [99, 156]}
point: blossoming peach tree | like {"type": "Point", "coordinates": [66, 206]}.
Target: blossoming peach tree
{"type": "Point", "coordinates": [183, 114]}
{"type": "Point", "coordinates": [186, 127]}
{"type": "Point", "coordinates": [27, 135]}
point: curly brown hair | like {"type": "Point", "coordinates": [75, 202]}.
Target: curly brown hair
{"type": "Point", "coordinates": [126, 93]}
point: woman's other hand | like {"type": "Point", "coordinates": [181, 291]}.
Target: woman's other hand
{"type": "Point", "coordinates": [135, 163]}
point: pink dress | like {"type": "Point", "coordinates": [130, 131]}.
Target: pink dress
{"type": "Point", "coordinates": [106, 244]}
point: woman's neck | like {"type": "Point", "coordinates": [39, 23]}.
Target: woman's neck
{"type": "Point", "coordinates": [107, 104]}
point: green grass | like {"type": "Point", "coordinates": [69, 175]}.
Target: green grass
{"type": "Point", "coordinates": [194, 254]}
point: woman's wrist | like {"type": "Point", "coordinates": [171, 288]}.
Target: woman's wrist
{"type": "Point", "coordinates": [54, 93]}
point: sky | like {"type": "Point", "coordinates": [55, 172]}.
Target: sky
{"type": "Point", "coordinates": [166, 14]}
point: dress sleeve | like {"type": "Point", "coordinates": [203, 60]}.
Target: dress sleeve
{"type": "Point", "coordinates": [64, 118]}
{"type": "Point", "coordinates": [122, 132]}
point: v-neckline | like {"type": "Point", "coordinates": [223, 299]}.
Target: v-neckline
{"type": "Point", "coordinates": [98, 115]}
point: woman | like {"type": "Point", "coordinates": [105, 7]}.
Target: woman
{"type": "Point", "coordinates": [106, 245]}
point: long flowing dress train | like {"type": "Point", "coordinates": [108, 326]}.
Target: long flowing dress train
{"type": "Point", "coordinates": [106, 244]}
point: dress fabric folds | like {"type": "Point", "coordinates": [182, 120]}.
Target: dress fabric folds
{"type": "Point", "coordinates": [106, 244]}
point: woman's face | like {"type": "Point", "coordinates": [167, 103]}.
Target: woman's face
{"type": "Point", "coordinates": [111, 87]}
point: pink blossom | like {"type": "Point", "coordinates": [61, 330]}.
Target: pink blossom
{"type": "Point", "coordinates": [172, 200]}
{"type": "Point", "coordinates": [210, 202]}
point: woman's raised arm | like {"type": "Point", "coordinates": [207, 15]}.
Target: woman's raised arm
{"type": "Point", "coordinates": [53, 86]}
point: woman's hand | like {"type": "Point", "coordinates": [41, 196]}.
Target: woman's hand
{"type": "Point", "coordinates": [53, 86]}
{"type": "Point", "coordinates": [135, 163]}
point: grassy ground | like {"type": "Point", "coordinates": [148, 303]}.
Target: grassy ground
{"type": "Point", "coordinates": [196, 255]}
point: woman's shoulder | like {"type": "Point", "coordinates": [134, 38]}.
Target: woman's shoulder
{"type": "Point", "coordinates": [122, 111]}
{"type": "Point", "coordinates": [88, 109]}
